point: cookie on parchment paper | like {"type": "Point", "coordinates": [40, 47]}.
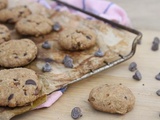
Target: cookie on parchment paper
{"type": "Point", "coordinates": [12, 15]}
{"type": "Point", "coordinates": [19, 87]}
{"type": "Point", "coordinates": [16, 53]}
{"type": "Point", "coordinates": [3, 4]}
{"type": "Point", "coordinates": [78, 38]}
{"type": "Point", "coordinates": [4, 33]}
{"type": "Point", "coordinates": [35, 25]}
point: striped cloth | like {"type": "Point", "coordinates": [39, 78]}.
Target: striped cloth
{"type": "Point", "coordinates": [103, 8]}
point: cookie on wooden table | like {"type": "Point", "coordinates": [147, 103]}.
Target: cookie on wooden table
{"type": "Point", "coordinates": [112, 99]}
{"type": "Point", "coordinates": [16, 53]}
{"type": "Point", "coordinates": [78, 38]}
{"type": "Point", "coordinates": [12, 15]}
{"type": "Point", "coordinates": [3, 4]}
{"type": "Point", "coordinates": [35, 25]}
{"type": "Point", "coordinates": [4, 33]}
{"type": "Point", "coordinates": [19, 87]}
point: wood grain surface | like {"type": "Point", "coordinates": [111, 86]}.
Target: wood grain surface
{"type": "Point", "coordinates": [147, 105]}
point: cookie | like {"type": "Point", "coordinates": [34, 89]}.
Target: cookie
{"type": "Point", "coordinates": [3, 4]}
{"type": "Point", "coordinates": [35, 25]}
{"type": "Point", "coordinates": [19, 87]}
{"type": "Point", "coordinates": [12, 15]}
{"type": "Point", "coordinates": [78, 38]}
{"type": "Point", "coordinates": [112, 99]}
{"type": "Point", "coordinates": [16, 53]}
{"type": "Point", "coordinates": [4, 33]}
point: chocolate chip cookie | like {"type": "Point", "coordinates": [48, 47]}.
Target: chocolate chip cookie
{"type": "Point", "coordinates": [78, 38]}
{"type": "Point", "coordinates": [4, 33]}
{"type": "Point", "coordinates": [112, 99]}
{"type": "Point", "coordinates": [34, 25]}
{"type": "Point", "coordinates": [3, 4]}
{"type": "Point", "coordinates": [12, 15]}
{"type": "Point", "coordinates": [19, 87]}
{"type": "Point", "coordinates": [16, 53]}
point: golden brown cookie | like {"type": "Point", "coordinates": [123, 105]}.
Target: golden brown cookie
{"type": "Point", "coordinates": [78, 38]}
{"type": "Point", "coordinates": [34, 25]}
{"type": "Point", "coordinates": [112, 99]}
{"type": "Point", "coordinates": [4, 33]}
{"type": "Point", "coordinates": [12, 15]}
{"type": "Point", "coordinates": [18, 87]}
{"type": "Point", "coordinates": [3, 4]}
{"type": "Point", "coordinates": [16, 53]}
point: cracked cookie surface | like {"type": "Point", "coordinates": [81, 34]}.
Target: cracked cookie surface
{"type": "Point", "coordinates": [78, 38]}
{"type": "Point", "coordinates": [12, 15]}
{"type": "Point", "coordinates": [3, 4]}
{"type": "Point", "coordinates": [16, 53]}
{"type": "Point", "coordinates": [19, 87]}
{"type": "Point", "coordinates": [34, 25]}
{"type": "Point", "coordinates": [4, 33]}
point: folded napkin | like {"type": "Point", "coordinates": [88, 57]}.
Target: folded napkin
{"type": "Point", "coordinates": [103, 8]}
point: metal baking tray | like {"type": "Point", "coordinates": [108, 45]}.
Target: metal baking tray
{"type": "Point", "coordinates": [122, 58]}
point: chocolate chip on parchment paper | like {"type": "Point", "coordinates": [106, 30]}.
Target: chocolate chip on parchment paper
{"type": "Point", "coordinates": [76, 113]}
{"type": "Point", "coordinates": [68, 62]}
{"type": "Point", "coordinates": [46, 45]}
{"type": "Point", "coordinates": [137, 76]}
{"type": "Point", "coordinates": [47, 67]}
{"type": "Point", "coordinates": [99, 53]}
{"type": "Point", "coordinates": [132, 66]}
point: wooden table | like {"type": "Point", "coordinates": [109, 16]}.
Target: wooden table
{"type": "Point", "coordinates": [147, 105]}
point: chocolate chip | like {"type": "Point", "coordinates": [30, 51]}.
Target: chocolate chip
{"type": "Point", "coordinates": [10, 97]}
{"type": "Point", "coordinates": [48, 60]}
{"type": "Point", "coordinates": [46, 45]}
{"type": "Point", "coordinates": [99, 53]}
{"type": "Point", "coordinates": [47, 67]}
{"type": "Point", "coordinates": [155, 47]}
{"type": "Point", "coordinates": [156, 40]}
{"type": "Point", "coordinates": [68, 62]}
{"type": "Point", "coordinates": [88, 37]}
{"type": "Point", "coordinates": [137, 75]}
{"type": "Point", "coordinates": [57, 27]}
{"type": "Point", "coordinates": [30, 82]}
{"type": "Point", "coordinates": [155, 44]}
{"type": "Point", "coordinates": [76, 113]}
{"type": "Point", "coordinates": [133, 66]}
{"type": "Point", "coordinates": [157, 76]}
{"type": "Point", "coordinates": [24, 54]}
{"type": "Point", "coordinates": [158, 92]}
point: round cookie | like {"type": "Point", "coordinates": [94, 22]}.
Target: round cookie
{"type": "Point", "coordinates": [3, 4]}
{"type": "Point", "coordinates": [112, 99]}
{"type": "Point", "coordinates": [79, 38]}
{"type": "Point", "coordinates": [16, 53]}
{"type": "Point", "coordinates": [12, 15]}
{"type": "Point", "coordinates": [19, 87]}
{"type": "Point", "coordinates": [34, 25]}
{"type": "Point", "coordinates": [4, 33]}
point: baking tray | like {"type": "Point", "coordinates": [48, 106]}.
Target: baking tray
{"type": "Point", "coordinates": [122, 58]}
